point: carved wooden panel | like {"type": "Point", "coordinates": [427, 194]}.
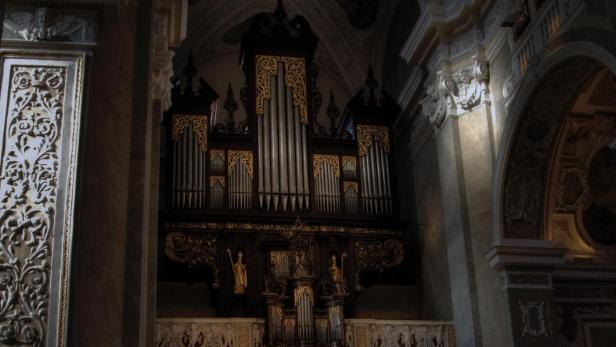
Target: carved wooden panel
{"type": "Point", "coordinates": [39, 122]}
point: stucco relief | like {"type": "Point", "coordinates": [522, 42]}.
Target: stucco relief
{"type": "Point", "coordinates": [457, 93]}
{"type": "Point", "coordinates": [28, 191]}
{"type": "Point", "coordinates": [162, 62]}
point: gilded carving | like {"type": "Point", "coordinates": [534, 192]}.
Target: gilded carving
{"type": "Point", "coordinates": [214, 180]}
{"type": "Point", "coordinates": [239, 273]}
{"type": "Point", "coordinates": [217, 154]}
{"type": "Point", "coordinates": [245, 156]}
{"type": "Point", "coordinates": [193, 250]}
{"type": "Point", "coordinates": [199, 127]}
{"type": "Point", "coordinates": [320, 160]}
{"type": "Point", "coordinates": [295, 78]}
{"type": "Point", "coordinates": [279, 228]}
{"type": "Point", "coordinates": [367, 134]}
{"type": "Point", "coordinates": [303, 291]}
{"type": "Point", "coordinates": [350, 185]}
{"type": "Point", "coordinates": [349, 160]}
{"type": "Point", "coordinates": [378, 255]}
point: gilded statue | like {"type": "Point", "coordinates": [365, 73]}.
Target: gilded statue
{"type": "Point", "coordinates": [336, 274]}
{"type": "Point", "coordinates": [239, 273]}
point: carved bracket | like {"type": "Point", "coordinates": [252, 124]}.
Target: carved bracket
{"type": "Point", "coordinates": [194, 251]}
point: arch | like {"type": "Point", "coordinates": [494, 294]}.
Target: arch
{"type": "Point", "coordinates": [532, 123]}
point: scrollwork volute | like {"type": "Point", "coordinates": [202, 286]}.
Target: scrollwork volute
{"type": "Point", "coordinates": [453, 94]}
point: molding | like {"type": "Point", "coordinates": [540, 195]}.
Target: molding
{"type": "Point", "coordinates": [277, 228]}
{"type": "Point", "coordinates": [526, 253]}
{"type": "Point", "coordinates": [49, 25]}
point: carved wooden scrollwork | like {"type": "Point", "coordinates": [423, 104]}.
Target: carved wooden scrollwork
{"type": "Point", "coordinates": [245, 157]}
{"type": "Point", "coordinates": [295, 78]}
{"type": "Point", "coordinates": [378, 255]}
{"type": "Point", "coordinates": [199, 124]}
{"type": "Point", "coordinates": [319, 160]}
{"type": "Point", "coordinates": [193, 250]}
{"type": "Point", "coordinates": [366, 134]}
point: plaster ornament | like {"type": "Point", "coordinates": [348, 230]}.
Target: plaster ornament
{"type": "Point", "coordinates": [456, 94]}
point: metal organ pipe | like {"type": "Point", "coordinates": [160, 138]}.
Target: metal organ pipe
{"type": "Point", "coordinates": [266, 153]}
{"type": "Point", "coordinates": [274, 140]}
{"type": "Point", "coordinates": [260, 138]}
{"type": "Point", "coordinates": [298, 158]}
{"type": "Point", "coordinates": [291, 147]}
{"type": "Point", "coordinates": [282, 129]}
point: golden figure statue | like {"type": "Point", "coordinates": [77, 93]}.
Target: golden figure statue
{"type": "Point", "coordinates": [336, 274]}
{"type": "Point", "coordinates": [239, 272]}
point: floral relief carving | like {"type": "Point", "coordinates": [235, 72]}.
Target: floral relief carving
{"type": "Point", "coordinates": [199, 127]}
{"type": "Point", "coordinates": [366, 134]}
{"type": "Point", "coordinates": [320, 160]}
{"type": "Point", "coordinates": [28, 191]}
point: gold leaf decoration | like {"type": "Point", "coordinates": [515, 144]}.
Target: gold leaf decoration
{"type": "Point", "coordinates": [199, 124]}
{"type": "Point", "coordinates": [217, 154]}
{"type": "Point", "coordinates": [350, 185]}
{"type": "Point", "coordinates": [366, 135]}
{"type": "Point", "coordinates": [217, 180]}
{"type": "Point", "coordinates": [320, 160]}
{"type": "Point", "coordinates": [245, 156]}
{"type": "Point", "coordinates": [351, 160]}
{"type": "Point", "coordinates": [295, 78]}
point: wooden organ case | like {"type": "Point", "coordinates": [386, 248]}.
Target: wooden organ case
{"type": "Point", "coordinates": [283, 222]}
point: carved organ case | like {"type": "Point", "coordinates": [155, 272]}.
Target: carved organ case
{"type": "Point", "coordinates": [312, 214]}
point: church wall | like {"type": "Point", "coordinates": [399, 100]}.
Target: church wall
{"type": "Point", "coordinates": [434, 282]}
{"type": "Point", "coordinates": [107, 300]}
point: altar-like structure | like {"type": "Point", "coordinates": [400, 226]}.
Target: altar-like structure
{"type": "Point", "coordinates": [286, 223]}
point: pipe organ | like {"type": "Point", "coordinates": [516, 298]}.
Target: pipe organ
{"type": "Point", "coordinates": [240, 191]}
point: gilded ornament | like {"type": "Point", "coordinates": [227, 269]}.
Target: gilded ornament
{"type": "Point", "coordinates": [366, 134]}
{"type": "Point", "coordinates": [217, 154]}
{"type": "Point", "coordinates": [350, 185]}
{"type": "Point", "coordinates": [194, 251]}
{"type": "Point", "coordinates": [320, 160]}
{"type": "Point", "coordinates": [378, 255]}
{"type": "Point", "coordinates": [301, 291]}
{"type": "Point", "coordinates": [214, 180]}
{"type": "Point", "coordinates": [295, 78]}
{"type": "Point", "coordinates": [239, 273]}
{"type": "Point", "coordinates": [278, 228]}
{"type": "Point", "coordinates": [350, 160]}
{"type": "Point", "coordinates": [199, 127]}
{"type": "Point", "coordinates": [245, 156]}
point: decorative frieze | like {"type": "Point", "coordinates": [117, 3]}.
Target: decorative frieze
{"type": "Point", "coordinates": [394, 333]}
{"type": "Point", "coordinates": [43, 24]}
{"type": "Point", "coordinates": [40, 96]}
{"type": "Point", "coordinates": [227, 332]}
{"type": "Point", "coordinates": [453, 94]}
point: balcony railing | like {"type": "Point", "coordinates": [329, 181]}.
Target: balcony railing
{"type": "Point", "coordinates": [249, 332]}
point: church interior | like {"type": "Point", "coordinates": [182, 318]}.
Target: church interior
{"type": "Point", "coordinates": [279, 173]}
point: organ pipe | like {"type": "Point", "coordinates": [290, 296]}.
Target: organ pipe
{"type": "Point", "coordinates": [373, 145]}
{"type": "Point", "coordinates": [189, 146]}
{"type": "Point", "coordinates": [282, 132]}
